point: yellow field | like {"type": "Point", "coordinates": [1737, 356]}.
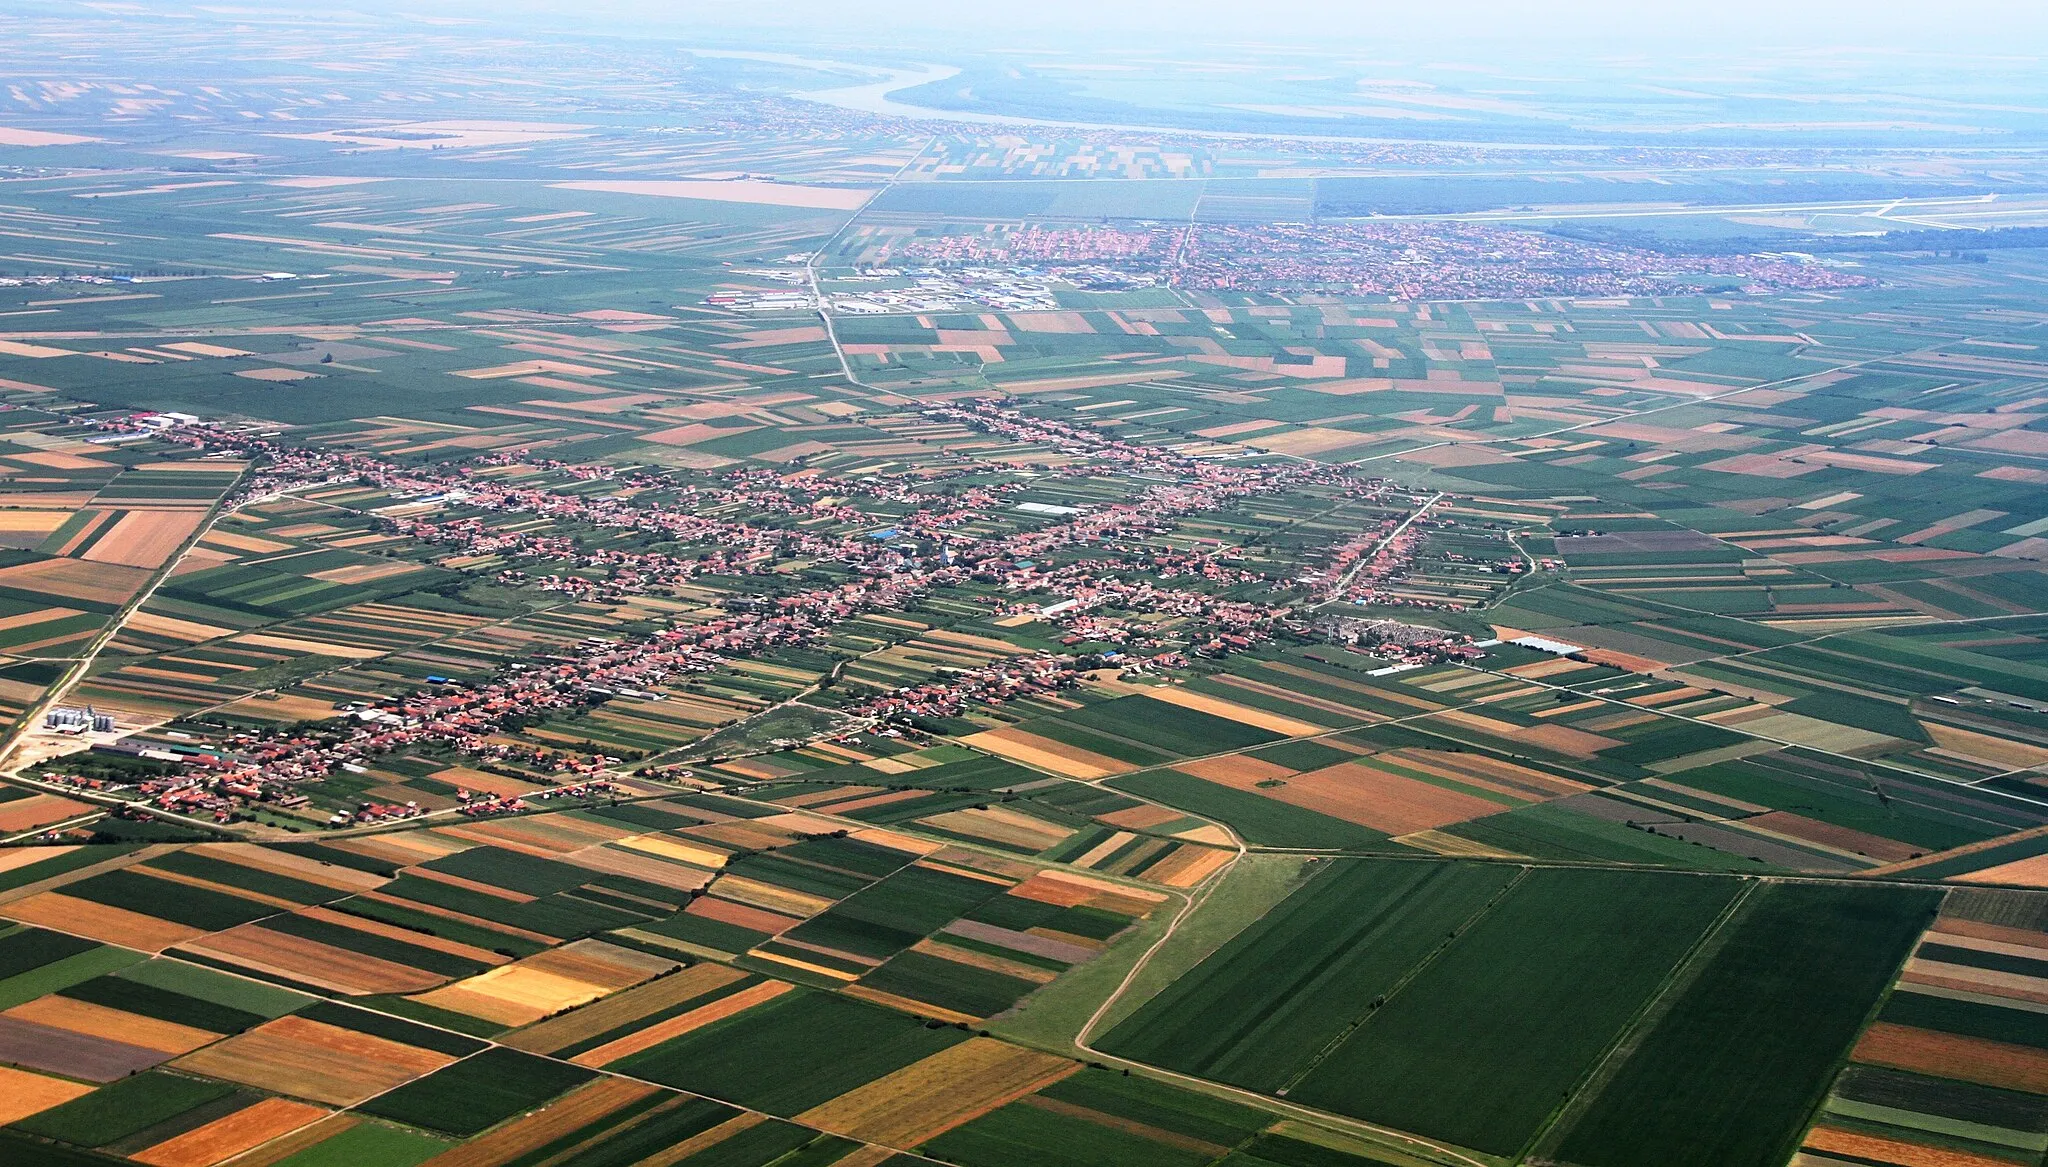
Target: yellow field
{"type": "Point", "coordinates": [23, 1093]}
{"type": "Point", "coordinates": [1231, 711]}
{"type": "Point", "coordinates": [933, 1096]}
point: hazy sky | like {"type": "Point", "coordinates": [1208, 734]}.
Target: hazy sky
{"type": "Point", "coordinates": [2002, 26]}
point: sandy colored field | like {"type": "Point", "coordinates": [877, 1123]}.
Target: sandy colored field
{"type": "Point", "coordinates": [37, 809]}
{"type": "Point", "coordinates": [1308, 441]}
{"type": "Point", "coordinates": [1140, 818]}
{"type": "Point", "coordinates": [668, 847]}
{"type": "Point", "coordinates": [1945, 1055]}
{"type": "Point", "coordinates": [186, 630]}
{"type": "Point", "coordinates": [14, 522]}
{"type": "Point", "coordinates": [1357, 792]}
{"type": "Point", "coordinates": [984, 960]}
{"type": "Point", "coordinates": [1496, 774]}
{"type": "Point", "coordinates": [622, 1009]}
{"type": "Point", "coordinates": [1233, 770]}
{"type": "Point", "coordinates": [1046, 754]}
{"type": "Point", "coordinates": [112, 1024]}
{"type": "Point", "coordinates": [542, 836]}
{"type": "Point", "coordinates": [224, 1138]}
{"type": "Point", "coordinates": [705, 1140]}
{"type": "Point", "coordinates": [2005, 753]}
{"type": "Point", "coordinates": [1561, 739]}
{"type": "Point", "coordinates": [38, 616]}
{"type": "Point", "coordinates": [313, 963]}
{"type": "Point", "coordinates": [1187, 866]}
{"type": "Point", "coordinates": [357, 573]}
{"type": "Point", "coordinates": [287, 707]}
{"type": "Point", "coordinates": [770, 897]}
{"type": "Point", "coordinates": [1067, 890]}
{"type": "Point", "coordinates": [739, 915]}
{"type": "Point", "coordinates": [1970, 978]}
{"type": "Point", "coordinates": [526, 991]}
{"type": "Point", "coordinates": [1351, 713]}
{"type": "Point", "coordinates": [1800, 827]}
{"type": "Point", "coordinates": [1001, 825]}
{"type": "Point", "coordinates": [23, 1093]}
{"type": "Point", "coordinates": [145, 538]}
{"type": "Point", "coordinates": [249, 543]}
{"type": "Point", "coordinates": [284, 1147]}
{"type": "Point", "coordinates": [13, 857]}
{"type": "Point", "coordinates": [471, 778]}
{"type": "Point", "coordinates": [645, 868]}
{"type": "Point", "coordinates": [100, 583]}
{"type": "Point", "coordinates": [682, 1023]}
{"type": "Point", "coordinates": [312, 1060]}
{"type": "Point", "coordinates": [774, 194]}
{"type": "Point", "coordinates": [923, 1100]}
{"type": "Point", "coordinates": [298, 867]}
{"type": "Point", "coordinates": [725, 835]}
{"type": "Point", "coordinates": [1806, 731]}
{"type": "Point", "coordinates": [1232, 711]}
{"type": "Point", "coordinates": [102, 923]}
{"type": "Point", "coordinates": [2031, 872]}
{"type": "Point", "coordinates": [569, 1113]}
{"type": "Point", "coordinates": [34, 1046]}
{"type": "Point", "coordinates": [1873, 1149]}
{"type": "Point", "coordinates": [293, 644]}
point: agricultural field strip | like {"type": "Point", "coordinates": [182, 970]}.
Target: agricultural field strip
{"type": "Point", "coordinates": [1611, 1058]}
{"type": "Point", "coordinates": [1969, 784]}
{"type": "Point", "coordinates": [1632, 415]}
{"type": "Point", "coordinates": [62, 824]}
{"type": "Point", "coordinates": [1190, 904]}
{"type": "Point", "coordinates": [489, 1043]}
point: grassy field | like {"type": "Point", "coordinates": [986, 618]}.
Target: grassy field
{"type": "Point", "coordinates": [1730, 1071]}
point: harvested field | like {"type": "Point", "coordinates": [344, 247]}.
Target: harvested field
{"type": "Point", "coordinates": [1947, 1055]}
{"type": "Point", "coordinates": [923, 1100]}
{"type": "Point", "coordinates": [1232, 711]}
{"type": "Point", "coordinates": [1068, 890]}
{"type": "Point", "coordinates": [544, 1127]}
{"type": "Point", "coordinates": [23, 1093]}
{"type": "Point", "coordinates": [145, 538]}
{"type": "Point", "coordinates": [74, 1055]}
{"type": "Point", "coordinates": [1361, 793]}
{"type": "Point", "coordinates": [99, 583]}
{"type": "Point", "coordinates": [310, 962]}
{"type": "Point", "coordinates": [1030, 749]}
{"type": "Point", "coordinates": [24, 814]}
{"type": "Point", "coordinates": [1866, 1148]}
{"type": "Point", "coordinates": [314, 1060]}
{"type": "Point", "coordinates": [740, 915]}
{"type": "Point", "coordinates": [1559, 739]}
{"type": "Point", "coordinates": [2029, 872]}
{"type": "Point", "coordinates": [622, 1009]}
{"type": "Point", "coordinates": [298, 867]}
{"type": "Point", "coordinates": [1002, 826]}
{"type": "Point", "coordinates": [107, 925]}
{"type": "Point", "coordinates": [1237, 770]}
{"type": "Point", "coordinates": [676, 1026]}
{"type": "Point", "coordinates": [549, 982]}
{"type": "Point", "coordinates": [225, 1138]}
{"type": "Point", "coordinates": [89, 1020]}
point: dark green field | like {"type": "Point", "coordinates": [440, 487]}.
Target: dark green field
{"type": "Point", "coordinates": [1726, 1078]}
{"type": "Point", "coordinates": [1490, 1036]}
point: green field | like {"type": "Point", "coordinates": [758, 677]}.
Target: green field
{"type": "Point", "coordinates": [1727, 1076]}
